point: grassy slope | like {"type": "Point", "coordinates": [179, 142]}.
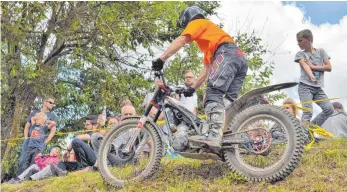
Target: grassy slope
{"type": "Point", "coordinates": [323, 168]}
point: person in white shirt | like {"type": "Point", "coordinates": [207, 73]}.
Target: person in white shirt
{"type": "Point", "coordinates": [191, 103]}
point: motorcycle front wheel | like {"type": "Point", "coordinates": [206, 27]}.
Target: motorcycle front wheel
{"type": "Point", "coordinates": [118, 167]}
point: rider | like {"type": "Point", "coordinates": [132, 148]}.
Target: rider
{"type": "Point", "coordinates": [224, 65]}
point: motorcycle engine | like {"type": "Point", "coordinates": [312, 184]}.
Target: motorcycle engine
{"type": "Point", "coordinates": [180, 137]}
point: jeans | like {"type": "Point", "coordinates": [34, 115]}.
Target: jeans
{"type": "Point", "coordinates": [29, 171]}
{"type": "Point", "coordinates": [96, 139]}
{"type": "Point", "coordinates": [23, 152]}
{"type": "Point", "coordinates": [85, 156]}
{"type": "Point", "coordinates": [308, 93]}
{"type": "Point", "coordinates": [29, 159]}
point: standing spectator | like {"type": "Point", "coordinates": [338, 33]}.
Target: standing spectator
{"type": "Point", "coordinates": [313, 62]}
{"type": "Point", "coordinates": [191, 103]}
{"type": "Point", "coordinates": [37, 142]}
{"type": "Point", "coordinates": [47, 106]}
{"type": "Point", "coordinates": [337, 122]}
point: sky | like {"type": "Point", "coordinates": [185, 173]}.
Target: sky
{"type": "Point", "coordinates": [320, 12]}
{"type": "Point", "coordinates": [277, 24]}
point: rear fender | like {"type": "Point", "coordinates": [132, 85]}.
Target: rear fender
{"type": "Point", "coordinates": [237, 105]}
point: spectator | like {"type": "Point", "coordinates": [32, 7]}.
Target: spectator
{"type": "Point", "coordinates": [72, 157]}
{"type": "Point", "coordinates": [125, 101]}
{"type": "Point", "coordinates": [40, 169]}
{"type": "Point", "coordinates": [47, 106]}
{"type": "Point", "coordinates": [112, 121]}
{"type": "Point", "coordinates": [96, 137]}
{"type": "Point", "coordinates": [85, 156]}
{"type": "Point", "coordinates": [337, 122]}
{"type": "Point", "coordinates": [37, 142]}
{"type": "Point", "coordinates": [314, 63]}
{"type": "Point", "coordinates": [191, 103]}
{"type": "Point", "coordinates": [277, 132]}
{"type": "Point", "coordinates": [128, 110]}
{"type": "Point", "coordinates": [290, 105]}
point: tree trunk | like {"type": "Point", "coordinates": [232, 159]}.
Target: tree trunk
{"type": "Point", "coordinates": [14, 133]}
{"type": "Point", "coordinates": [16, 109]}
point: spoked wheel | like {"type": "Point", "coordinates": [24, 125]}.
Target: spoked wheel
{"type": "Point", "coordinates": [275, 144]}
{"type": "Point", "coordinates": [118, 166]}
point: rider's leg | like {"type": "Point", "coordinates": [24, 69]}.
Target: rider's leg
{"type": "Point", "coordinates": [226, 67]}
{"type": "Point", "coordinates": [236, 84]}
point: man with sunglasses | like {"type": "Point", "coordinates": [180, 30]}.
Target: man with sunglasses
{"type": "Point", "coordinates": [47, 106]}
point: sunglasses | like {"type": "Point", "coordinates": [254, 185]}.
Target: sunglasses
{"type": "Point", "coordinates": [52, 103]}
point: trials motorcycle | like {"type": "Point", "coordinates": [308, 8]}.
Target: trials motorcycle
{"type": "Point", "coordinates": [133, 149]}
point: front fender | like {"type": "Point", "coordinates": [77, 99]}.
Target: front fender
{"type": "Point", "coordinates": [237, 105]}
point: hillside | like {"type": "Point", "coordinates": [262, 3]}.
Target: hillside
{"type": "Point", "coordinates": [323, 168]}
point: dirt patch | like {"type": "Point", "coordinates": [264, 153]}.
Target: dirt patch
{"type": "Point", "coordinates": [205, 171]}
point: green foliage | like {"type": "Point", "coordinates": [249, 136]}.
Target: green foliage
{"type": "Point", "coordinates": [85, 54]}
{"type": "Point", "coordinates": [259, 71]}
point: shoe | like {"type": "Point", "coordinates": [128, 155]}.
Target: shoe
{"type": "Point", "coordinates": [14, 180]}
{"type": "Point", "coordinates": [213, 139]}
{"type": "Point", "coordinates": [57, 171]}
{"type": "Point", "coordinates": [89, 169]}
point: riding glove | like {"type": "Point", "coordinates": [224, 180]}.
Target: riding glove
{"type": "Point", "coordinates": [188, 92]}
{"type": "Point", "coordinates": [157, 64]}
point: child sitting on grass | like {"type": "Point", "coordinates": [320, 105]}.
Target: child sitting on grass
{"type": "Point", "coordinates": [41, 168]}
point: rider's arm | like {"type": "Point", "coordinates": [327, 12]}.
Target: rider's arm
{"type": "Point", "coordinates": [202, 77]}
{"type": "Point", "coordinates": [175, 46]}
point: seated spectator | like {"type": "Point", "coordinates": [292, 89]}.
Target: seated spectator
{"type": "Point", "coordinates": [92, 125]}
{"type": "Point", "coordinates": [41, 168]}
{"type": "Point", "coordinates": [112, 121]}
{"type": "Point", "coordinates": [337, 122]}
{"type": "Point", "coordinates": [128, 110]}
{"type": "Point", "coordinates": [72, 157]}
{"type": "Point", "coordinates": [125, 101]}
{"type": "Point", "coordinates": [37, 142]}
{"type": "Point", "coordinates": [290, 105]}
{"type": "Point", "coordinates": [85, 155]}
{"type": "Point", "coordinates": [96, 137]}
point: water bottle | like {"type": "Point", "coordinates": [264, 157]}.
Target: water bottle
{"type": "Point", "coordinates": [103, 115]}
